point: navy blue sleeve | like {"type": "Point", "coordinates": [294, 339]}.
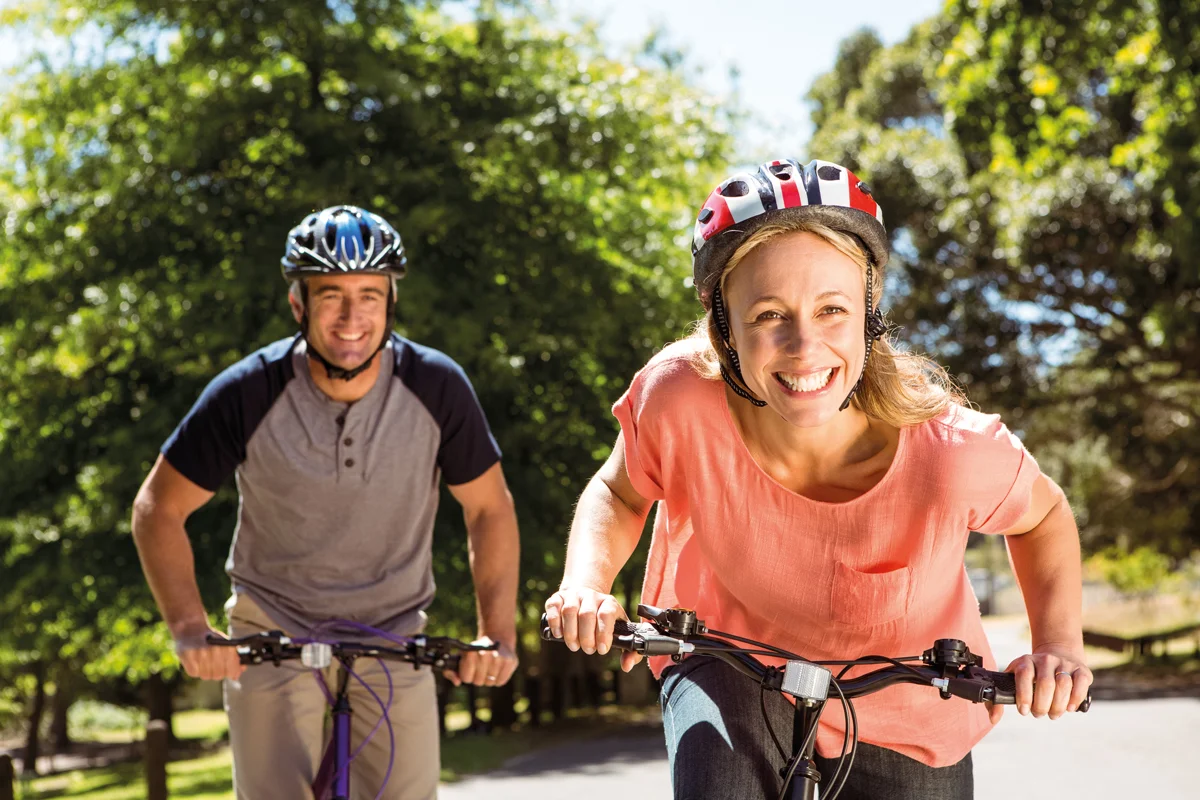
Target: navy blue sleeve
{"type": "Point", "coordinates": [211, 440]}
{"type": "Point", "coordinates": [468, 448]}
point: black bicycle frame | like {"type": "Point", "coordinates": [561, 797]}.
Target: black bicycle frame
{"type": "Point", "coordinates": [805, 777]}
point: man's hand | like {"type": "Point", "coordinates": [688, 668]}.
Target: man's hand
{"type": "Point", "coordinates": [204, 661]}
{"type": "Point", "coordinates": [485, 667]}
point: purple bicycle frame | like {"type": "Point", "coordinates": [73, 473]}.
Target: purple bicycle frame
{"type": "Point", "coordinates": [333, 778]}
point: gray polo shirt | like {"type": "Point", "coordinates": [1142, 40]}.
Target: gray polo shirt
{"type": "Point", "coordinates": [337, 500]}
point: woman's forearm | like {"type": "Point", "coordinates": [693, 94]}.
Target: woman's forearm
{"type": "Point", "coordinates": [604, 533]}
{"type": "Point", "coordinates": [1046, 561]}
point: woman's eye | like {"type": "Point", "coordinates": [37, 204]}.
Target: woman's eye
{"type": "Point", "coordinates": [768, 315]}
{"type": "Point", "coordinates": [833, 310]}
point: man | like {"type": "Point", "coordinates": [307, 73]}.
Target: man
{"type": "Point", "coordinates": [337, 438]}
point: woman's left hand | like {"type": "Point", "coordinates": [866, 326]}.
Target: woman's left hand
{"type": "Point", "coordinates": [1051, 681]}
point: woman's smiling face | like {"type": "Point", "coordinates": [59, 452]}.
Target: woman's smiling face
{"type": "Point", "coordinates": [796, 314]}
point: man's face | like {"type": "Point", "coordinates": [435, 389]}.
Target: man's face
{"type": "Point", "coordinates": [347, 316]}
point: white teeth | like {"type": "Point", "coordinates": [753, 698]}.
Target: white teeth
{"type": "Point", "coordinates": [345, 338]}
{"type": "Point", "coordinates": [805, 383]}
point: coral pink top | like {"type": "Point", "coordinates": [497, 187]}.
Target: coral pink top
{"type": "Point", "coordinates": [881, 574]}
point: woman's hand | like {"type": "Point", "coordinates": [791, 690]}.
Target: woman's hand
{"type": "Point", "coordinates": [584, 618]}
{"type": "Point", "coordinates": [1051, 681]}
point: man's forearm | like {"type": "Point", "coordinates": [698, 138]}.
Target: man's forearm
{"type": "Point", "coordinates": [495, 556]}
{"type": "Point", "coordinates": [169, 565]}
{"type": "Point", "coordinates": [1046, 561]}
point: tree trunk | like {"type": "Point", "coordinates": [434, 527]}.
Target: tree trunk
{"type": "Point", "coordinates": [8, 778]}
{"type": "Point", "coordinates": [504, 698]}
{"type": "Point", "coordinates": [533, 690]}
{"type": "Point", "coordinates": [158, 738]}
{"type": "Point", "coordinates": [159, 702]}
{"type": "Point", "coordinates": [64, 696]}
{"type": "Point", "coordinates": [443, 700]}
{"type": "Point", "coordinates": [32, 743]}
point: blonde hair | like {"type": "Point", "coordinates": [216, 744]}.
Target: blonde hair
{"type": "Point", "coordinates": [898, 387]}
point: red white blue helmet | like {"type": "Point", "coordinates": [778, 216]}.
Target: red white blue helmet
{"type": "Point", "coordinates": [743, 203]}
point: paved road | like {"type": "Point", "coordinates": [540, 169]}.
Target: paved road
{"type": "Point", "coordinates": [1118, 750]}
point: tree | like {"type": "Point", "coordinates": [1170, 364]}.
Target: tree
{"type": "Point", "coordinates": [543, 192]}
{"type": "Point", "coordinates": [1040, 162]}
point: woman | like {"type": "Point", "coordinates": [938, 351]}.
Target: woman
{"type": "Point", "coordinates": [816, 489]}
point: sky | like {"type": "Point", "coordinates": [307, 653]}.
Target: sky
{"type": "Point", "coordinates": [778, 47]}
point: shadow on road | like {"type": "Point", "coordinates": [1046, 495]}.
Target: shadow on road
{"type": "Point", "coordinates": [595, 756]}
{"type": "Point", "coordinates": [1134, 682]}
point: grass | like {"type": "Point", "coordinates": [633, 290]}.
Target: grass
{"type": "Point", "coordinates": [206, 778]}
{"type": "Point", "coordinates": [210, 776]}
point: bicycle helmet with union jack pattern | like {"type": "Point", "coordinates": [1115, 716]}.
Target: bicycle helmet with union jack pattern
{"type": "Point", "coordinates": [781, 190]}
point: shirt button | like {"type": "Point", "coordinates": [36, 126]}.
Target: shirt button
{"type": "Point", "coordinates": [348, 441]}
{"type": "Point", "coordinates": [349, 462]}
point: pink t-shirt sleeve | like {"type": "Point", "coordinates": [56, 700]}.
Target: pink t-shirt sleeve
{"type": "Point", "coordinates": [638, 413]}
{"type": "Point", "coordinates": [998, 473]}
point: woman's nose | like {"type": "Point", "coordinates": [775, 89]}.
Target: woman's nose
{"type": "Point", "coordinates": [798, 338]}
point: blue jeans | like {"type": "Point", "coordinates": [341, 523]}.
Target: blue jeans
{"type": "Point", "coordinates": [719, 747]}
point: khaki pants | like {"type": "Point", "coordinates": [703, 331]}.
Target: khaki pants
{"type": "Point", "coordinates": [279, 724]}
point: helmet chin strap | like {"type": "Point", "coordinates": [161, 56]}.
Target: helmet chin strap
{"type": "Point", "coordinates": [335, 372]}
{"type": "Point", "coordinates": [875, 330]}
{"type": "Point", "coordinates": [718, 308]}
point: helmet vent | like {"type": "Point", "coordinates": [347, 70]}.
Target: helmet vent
{"type": "Point", "coordinates": [781, 171]}
{"type": "Point", "coordinates": [828, 173]}
{"type": "Point", "coordinates": [735, 189]}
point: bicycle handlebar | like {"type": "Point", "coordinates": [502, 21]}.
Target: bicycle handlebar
{"type": "Point", "coordinates": [948, 666]}
{"type": "Point", "coordinates": [275, 647]}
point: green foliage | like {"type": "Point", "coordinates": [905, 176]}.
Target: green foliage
{"type": "Point", "coordinates": [542, 189]}
{"type": "Point", "coordinates": [1036, 164]}
{"type": "Point", "coordinates": [1140, 571]}
{"type": "Point", "coordinates": [88, 717]}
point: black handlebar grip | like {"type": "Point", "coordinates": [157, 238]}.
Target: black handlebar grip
{"type": "Point", "coordinates": [452, 662]}
{"type": "Point", "coordinates": [1005, 684]}
{"type": "Point", "coordinates": [1005, 691]}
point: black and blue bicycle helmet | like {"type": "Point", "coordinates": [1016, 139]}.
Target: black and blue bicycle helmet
{"type": "Point", "coordinates": [343, 240]}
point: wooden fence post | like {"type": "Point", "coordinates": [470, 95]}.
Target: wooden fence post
{"type": "Point", "coordinates": [157, 741]}
{"type": "Point", "coordinates": [8, 777]}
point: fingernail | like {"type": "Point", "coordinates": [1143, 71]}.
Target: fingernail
{"type": "Point", "coordinates": [1024, 710]}
{"type": "Point", "coordinates": [1071, 707]}
{"type": "Point", "coordinates": [589, 650]}
{"type": "Point", "coordinates": [602, 649]}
